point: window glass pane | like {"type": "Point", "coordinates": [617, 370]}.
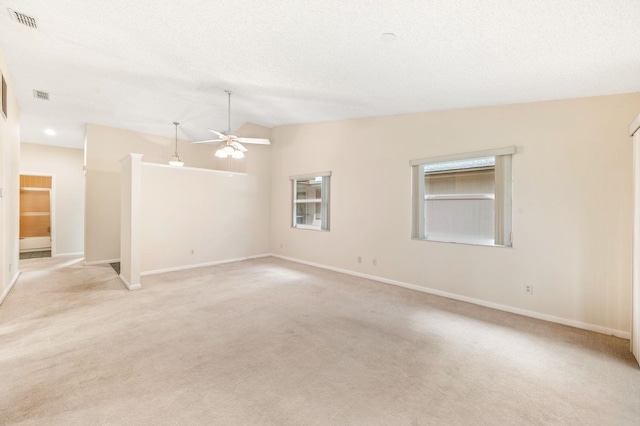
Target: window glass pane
{"type": "Point", "coordinates": [309, 189]}
{"type": "Point", "coordinates": [460, 220]}
{"type": "Point", "coordinates": [460, 205]}
{"type": "Point", "coordinates": [461, 182]}
{"type": "Point", "coordinates": [308, 214]}
{"type": "Point", "coordinates": [301, 189]}
{"type": "Point", "coordinates": [311, 202]}
{"type": "Point", "coordinates": [463, 198]}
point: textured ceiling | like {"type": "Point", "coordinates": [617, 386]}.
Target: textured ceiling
{"type": "Point", "coordinates": [141, 65]}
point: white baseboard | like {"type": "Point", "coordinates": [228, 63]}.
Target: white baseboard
{"type": "Point", "coordinates": [81, 253]}
{"type": "Point", "coordinates": [129, 286]}
{"type": "Point", "coordinates": [492, 305]}
{"type": "Point", "coordinates": [6, 291]}
{"type": "Point", "coordinates": [101, 262]}
{"type": "Point", "coordinates": [200, 265]}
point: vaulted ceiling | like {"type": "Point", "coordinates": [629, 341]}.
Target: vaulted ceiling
{"type": "Point", "coordinates": [141, 65]}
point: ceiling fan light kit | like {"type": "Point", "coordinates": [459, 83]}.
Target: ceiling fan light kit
{"type": "Point", "coordinates": [175, 158]}
{"type": "Point", "coordinates": [231, 144]}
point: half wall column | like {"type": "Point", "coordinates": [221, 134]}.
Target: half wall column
{"type": "Point", "coordinates": [130, 215]}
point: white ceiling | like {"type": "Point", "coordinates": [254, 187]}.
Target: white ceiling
{"type": "Point", "coordinates": [142, 64]}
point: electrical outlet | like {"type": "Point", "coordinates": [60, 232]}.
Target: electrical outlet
{"type": "Point", "coordinates": [359, 259]}
{"type": "Point", "coordinates": [193, 251]}
{"type": "Point", "coordinates": [281, 245]}
{"type": "Point", "coordinates": [528, 289]}
{"type": "Point", "coordinates": [375, 262]}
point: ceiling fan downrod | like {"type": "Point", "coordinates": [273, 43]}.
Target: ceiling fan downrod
{"type": "Point", "coordinates": [228, 92]}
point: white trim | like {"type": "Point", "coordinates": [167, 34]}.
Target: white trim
{"type": "Point", "coordinates": [309, 200]}
{"type": "Point", "coordinates": [201, 265]}
{"type": "Point", "coordinates": [437, 197]}
{"type": "Point", "coordinates": [310, 227]}
{"type": "Point", "coordinates": [505, 308]}
{"type": "Point", "coordinates": [53, 218]}
{"type": "Point", "coordinates": [80, 253]}
{"type": "Point", "coordinates": [225, 172]}
{"type": "Point", "coordinates": [634, 126]}
{"type": "Point", "coordinates": [309, 175]}
{"type": "Point", "coordinates": [6, 291]}
{"type": "Point", "coordinates": [509, 150]}
{"type": "Point", "coordinates": [479, 242]}
{"type": "Point", "coordinates": [129, 286]}
{"type": "Point", "coordinates": [100, 262]}
{"type": "Point", "coordinates": [635, 257]}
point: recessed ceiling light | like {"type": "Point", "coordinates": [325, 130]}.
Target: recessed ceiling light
{"type": "Point", "coordinates": [50, 132]}
{"type": "Point", "coordinates": [388, 37]}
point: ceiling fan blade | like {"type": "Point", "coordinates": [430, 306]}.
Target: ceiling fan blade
{"type": "Point", "coordinates": [220, 135]}
{"type": "Point", "coordinates": [208, 141]}
{"type": "Point", "coordinates": [239, 146]}
{"type": "Point", "coordinates": [258, 141]}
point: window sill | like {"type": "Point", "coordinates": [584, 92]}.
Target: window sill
{"type": "Point", "coordinates": [310, 228]}
{"type": "Point", "coordinates": [485, 243]}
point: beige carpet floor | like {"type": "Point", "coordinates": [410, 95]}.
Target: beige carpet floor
{"type": "Point", "coordinates": [270, 342]}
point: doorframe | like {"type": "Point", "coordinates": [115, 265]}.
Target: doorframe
{"type": "Point", "coordinates": [52, 203]}
{"type": "Point", "coordinates": [634, 128]}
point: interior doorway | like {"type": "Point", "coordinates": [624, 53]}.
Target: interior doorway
{"type": "Point", "coordinates": [36, 210]}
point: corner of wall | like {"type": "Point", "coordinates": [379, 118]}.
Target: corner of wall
{"type": "Point", "coordinates": [10, 184]}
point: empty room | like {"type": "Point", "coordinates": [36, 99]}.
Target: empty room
{"type": "Point", "coordinates": [320, 213]}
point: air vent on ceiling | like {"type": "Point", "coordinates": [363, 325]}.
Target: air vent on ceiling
{"type": "Point", "coordinates": [23, 19]}
{"type": "Point", "coordinates": [39, 94]}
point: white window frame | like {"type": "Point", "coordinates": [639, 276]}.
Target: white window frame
{"type": "Point", "coordinates": [324, 200]}
{"type": "Point", "coordinates": [503, 236]}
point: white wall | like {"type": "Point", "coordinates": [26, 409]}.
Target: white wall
{"type": "Point", "coordinates": [10, 184]}
{"type": "Point", "coordinates": [196, 216]}
{"type": "Point", "coordinates": [130, 220]}
{"type": "Point", "coordinates": [572, 223]}
{"type": "Point", "coordinates": [65, 164]}
{"type": "Point", "coordinates": [106, 146]}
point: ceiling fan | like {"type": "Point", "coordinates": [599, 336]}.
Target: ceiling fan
{"type": "Point", "coordinates": [231, 146]}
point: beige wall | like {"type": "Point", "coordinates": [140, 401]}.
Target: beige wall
{"type": "Point", "coordinates": [105, 147]}
{"type": "Point", "coordinates": [65, 164]}
{"type": "Point", "coordinates": [572, 177]}
{"type": "Point", "coordinates": [197, 216]}
{"type": "Point", "coordinates": [10, 184]}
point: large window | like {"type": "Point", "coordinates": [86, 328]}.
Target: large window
{"type": "Point", "coordinates": [311, 201]}
{"type": "Point", "coordinates": [463, 198]}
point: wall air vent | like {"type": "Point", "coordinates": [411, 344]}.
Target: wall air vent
{"type": "Point", "coordinates": [23, 19]}
{"type": "Point", "coordinates": [39, 94]}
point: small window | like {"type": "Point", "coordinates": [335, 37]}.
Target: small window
{"type": "Point", "coordinates": [3, 92]}
{"type": "Point", "coordinates": [311, 201]}
{"type": "Point", "coordinates": [464, 198]}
